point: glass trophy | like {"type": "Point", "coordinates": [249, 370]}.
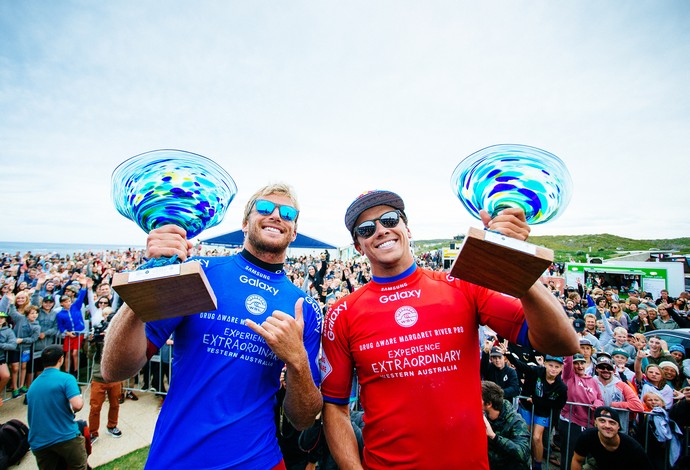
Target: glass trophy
{"type": "Point", "coordinates": [496, 178]}
{"type": "Point", "coordinates": [164, 187]}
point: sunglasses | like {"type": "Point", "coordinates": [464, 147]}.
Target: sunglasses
{"type": "Point", "coordinates": [265, 207]}
{"type": "Point", "coordinates": [388, 220]}
{"type": "Point", "coordinates": [610, 369]}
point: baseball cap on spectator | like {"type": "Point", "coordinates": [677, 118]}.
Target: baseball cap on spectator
{"type": "Point", "coordinates": [371, 199]}
{"type": "Point", "coordinates": [604, 362]}
{"type": "Point", "coordinates": [73, 288]}
{"type": "Point", "coordinates": [642, 306]}
{"type": "Point", "coordinates": [607, 412]}
{"type": "Point", "coordinates": [495, 351]}
{"type": "Point", "coordinates": [585, 342]}
{"type": "Point", "coordinates": [677, 347]}
{"type": "Point", "coordinates": [549, 357]}
{"type": "Point", "coordinates": [621, 352]}
{"type": "Point", "coordinates": [579, 325]}
{"type": "Point", "coordinates": [3, 315]}
{"type": "Point", "coordinates": [670, 364]}
{"type": "Point", "coordinates": [48, 298]}
{"type": "Point", "coordinates": [579, 358]}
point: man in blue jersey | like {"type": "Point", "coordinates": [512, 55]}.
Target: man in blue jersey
{"type": "Point", "coordinates": [227, 362]}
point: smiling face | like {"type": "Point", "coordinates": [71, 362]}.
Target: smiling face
{"type": "Point", "coordinates": [669, 373]}
{"type": "Point", "coordinates": [388, 249]}
{"type": "Point", "coordinates": [607, 427]}
{"type": "Point", "coordinates": [268, 236]}
{"type": "Point", "coordinates": [553, 368]}
{"type": "Point", "coordinates": [21, 299]}
{"type": "Point", "coordinates": [654, 345]}
{"type": "Point", "coordinates": [498, 361]}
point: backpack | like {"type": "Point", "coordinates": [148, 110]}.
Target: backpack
{"type": "Point", "coordinates": [14, 442]}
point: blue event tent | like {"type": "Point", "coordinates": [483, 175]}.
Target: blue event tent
{"type": "Point", "coordinates": [236, 238]}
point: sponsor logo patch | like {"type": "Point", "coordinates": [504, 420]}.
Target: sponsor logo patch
{"type": "Point", "coordinates": [406, 316]}
{"type": "Point", "coordinates": [255, 304]}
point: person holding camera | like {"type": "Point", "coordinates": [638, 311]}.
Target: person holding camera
{"type": "Point", "coordinates": [99, 387]}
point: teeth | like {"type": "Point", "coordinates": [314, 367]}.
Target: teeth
{"type": "Point", "coordinates": [272, 229]}
{"type": "Point", "coordinates": [387, 244]}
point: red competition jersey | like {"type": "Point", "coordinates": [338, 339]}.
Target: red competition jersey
{"type": "Point", "coordinates": [414, 343]}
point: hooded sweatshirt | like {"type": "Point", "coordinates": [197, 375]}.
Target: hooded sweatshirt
{"type": "Point", "coordinates": [580, 390]}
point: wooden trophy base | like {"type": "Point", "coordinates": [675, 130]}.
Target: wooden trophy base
{"type": "Point", "coordinates": [166, 292]}
{"type": "Point", "coordinates": [500, 263]}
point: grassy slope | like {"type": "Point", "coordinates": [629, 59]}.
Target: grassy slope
{"type": "Point", "coordinates": [576, 246]}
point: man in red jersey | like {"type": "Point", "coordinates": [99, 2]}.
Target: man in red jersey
{"type": "Point", "coordinates": [412, 336]}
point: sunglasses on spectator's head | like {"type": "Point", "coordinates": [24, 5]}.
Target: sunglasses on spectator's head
{"type": "Point", "coordinates": [388, 220]}
{"type": "Point", "coordinates": [265, 207]}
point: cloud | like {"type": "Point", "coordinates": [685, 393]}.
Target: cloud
{"type": "Point", "coordinates": [340, 98]}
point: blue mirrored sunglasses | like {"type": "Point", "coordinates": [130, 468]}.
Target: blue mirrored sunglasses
{"type": "Point", "coordinates": [265, 207]}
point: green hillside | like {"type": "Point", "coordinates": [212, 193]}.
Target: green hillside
{"type": "Point", "coordinates": [577, 246]}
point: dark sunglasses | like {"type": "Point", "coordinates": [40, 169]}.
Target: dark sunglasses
{"type": "Point", "coordinates": [265, 207]}
{"type": "Point", "coordinates": [101, 302]}
{"type": "Point", "coordinates": [388, 220]}
{"type": "Point", "coordinates": [608, 368]}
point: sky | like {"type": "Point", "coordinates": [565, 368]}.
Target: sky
{"type": "Point", "coordinates": [338, 98]}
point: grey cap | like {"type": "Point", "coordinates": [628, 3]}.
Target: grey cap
{"type": "Point", "coordinates": [368, 200]}
{"type": "Point", "coordinates": [579, 358]}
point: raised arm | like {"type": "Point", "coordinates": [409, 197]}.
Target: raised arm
{"type": "Point", "coordinates": [124, 352]}
{"type": "Point", "coordinates": [638, 364]}
{"type": "Point", "coordinates": [341, 437]}
{"type": "Point", "coordinates": [125, 348]}
{"type": "Point", "coordinates": [550, 331]}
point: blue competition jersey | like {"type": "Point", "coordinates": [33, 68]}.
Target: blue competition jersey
{"type": "Point", "coordinates": [219, 410]}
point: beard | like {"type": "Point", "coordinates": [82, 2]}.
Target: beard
{"type": "Point", "coordinates": [261, 244]}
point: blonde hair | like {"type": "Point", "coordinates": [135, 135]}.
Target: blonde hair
{"type": "Point", "coordinates": [655, 395]}
{"type": "Point", "coordinates": [280, 189]}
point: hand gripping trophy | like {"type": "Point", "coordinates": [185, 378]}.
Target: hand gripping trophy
{"type": "Point", "coordinates": [495, 178]}
{"type": "Point", "coordinates": [170, 187]}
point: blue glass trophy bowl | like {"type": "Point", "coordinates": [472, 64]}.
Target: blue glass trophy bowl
{"type": "Point", "coordinates": [500, 177]}
{"type": "Point", "coordinates": [172, 187]}
{"type": "Point", "coordinates": [513, 175]}
{"type": "Point", "coordinates": [164, 187]}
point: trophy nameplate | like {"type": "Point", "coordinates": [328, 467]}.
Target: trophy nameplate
{"type": "Point", "coordinates": [514, 264]}
{"type": "Point", "coordinates": [166, 291]}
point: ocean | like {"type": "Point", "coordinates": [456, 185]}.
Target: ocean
{"type": "Point", "coordinates": [10, 248]}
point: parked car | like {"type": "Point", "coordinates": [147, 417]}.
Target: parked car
{"type": "Point", "coordinates": [680, 336]}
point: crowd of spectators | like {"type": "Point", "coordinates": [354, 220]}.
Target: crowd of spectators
{"type": "Point", "coordinates": [48, 299]}
{"type": "Point", "coordinates": [641, 376]}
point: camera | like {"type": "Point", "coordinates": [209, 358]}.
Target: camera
{"type": "Point", "coordinates": [98, 332]}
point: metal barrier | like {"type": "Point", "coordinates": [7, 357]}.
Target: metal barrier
{"type": "Point", "coordinates": [639, 426]}
{"type": "Point", "coordinates": [155, 376]}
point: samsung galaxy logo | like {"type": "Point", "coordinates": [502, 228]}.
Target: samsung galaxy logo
{"type": "Point", "coordinates": [257, 283]}
{"type": "Point", "coordinates": [407, 294]}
